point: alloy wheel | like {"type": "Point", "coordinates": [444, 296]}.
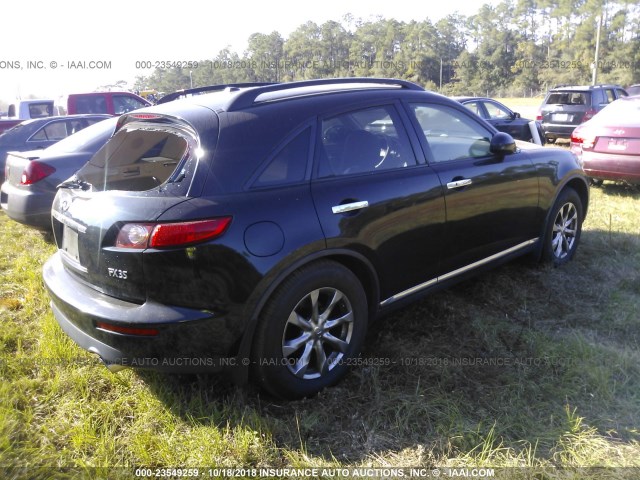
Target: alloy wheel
{"type": "Point", "coordinates": [318, 333]}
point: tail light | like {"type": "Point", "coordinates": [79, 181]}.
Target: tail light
{"type": "Point", "coordinates": [34, 172]}
{"type": "Point", "coordinates": [588, 115]}
{"type": "Point", "coordinates": [584, 139]}
{"type": "Point", "coordinates": [539, 116]}
{"type": "Point", "coordinates": [162, 235]}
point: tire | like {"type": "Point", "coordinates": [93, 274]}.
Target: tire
{"type": "Point", "coordinates": [310, 331]}
{"type": "Point", "coordinates": [563, 229]}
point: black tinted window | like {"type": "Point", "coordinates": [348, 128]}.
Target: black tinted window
{"type": "Point", "coordinates": [289, 165]}
{"type": "Point", "coordinates": [569, 98]}
{"type": "Point", "coordinates": [364, 141]}
{"type": "Point", "coordinates": [136, 159]}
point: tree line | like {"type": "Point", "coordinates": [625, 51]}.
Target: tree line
{"type": "Point", "coordinates": [516, 48]}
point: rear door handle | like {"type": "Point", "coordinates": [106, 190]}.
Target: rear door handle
{"type": "Point", "coordinates": [349, 207]}
{"type": "Point", "coordinates": [459, 183]}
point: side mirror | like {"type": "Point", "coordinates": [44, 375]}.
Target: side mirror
{"type": "Point", "coordinates": [516, 115]}
{"type": "Point", "coordinates": [502, 144]}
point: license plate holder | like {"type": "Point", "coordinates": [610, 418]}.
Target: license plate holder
{"type": "Point", "coordinates": [560, 117]}
{"type": "Point", "coordinates": [617, 144]}
{"type": "Point", "coordinates": [70, 243]}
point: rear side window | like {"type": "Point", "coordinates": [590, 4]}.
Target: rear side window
{"type": "Point", "coordinates": [50, 132]}
{"type": "Point", "coordinates": [91, 104]}
{"type": "Point", "coordinates": [364, 141]}
{"type": "Point", "coordinates": [137, 159]}
{"type": "Point", "coordinates": [289, 164]}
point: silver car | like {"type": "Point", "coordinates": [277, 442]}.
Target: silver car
{"type": "Point", "coordinates": [31, 177]}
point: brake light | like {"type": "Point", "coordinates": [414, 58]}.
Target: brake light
{"type": "Point", "coordinates": [588, 115]}
{"type": "Point", "coordinates": [144, 332]}
{"type": "Point", "coordinates": [34, 172]}
{"type": "Point", "coordinates": [162, 235]}
{"type": "Point", "coordinates": [539, 116]}
{"type": "Point", "coordinates": [584, 139]}
{"type": "Point", "coordinates": [144, 116]}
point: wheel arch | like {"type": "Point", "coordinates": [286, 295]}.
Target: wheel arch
{"type": "Point", "coordinates": [357, 263]}
{"type": "Point", "coordinates": [581, 187]}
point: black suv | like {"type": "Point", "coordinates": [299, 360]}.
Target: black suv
{"type": "Point", "coordinates": [566, 107]}
{"type": "Point", "coordinates": [263, 227]}
{"type": "Point", "coordinates": [504, 119]}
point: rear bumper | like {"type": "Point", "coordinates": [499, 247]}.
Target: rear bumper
{"type": "Point", "coordinates": [25, 206]}
{"type": "Point", "coordinates": [605, 166]}
{"type": "Point", "coordinates": [187, 340]}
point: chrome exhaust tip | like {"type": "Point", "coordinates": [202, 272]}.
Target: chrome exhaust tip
{"type": "Point", "coordinates": [113, 367]}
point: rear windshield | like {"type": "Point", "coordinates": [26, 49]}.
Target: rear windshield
{"type": "Point", "coordinates": [40, 110]}
{"type": "Point", "coordinates": [137, 158]}
{"type": "Point", "coordinates": [622, 112]}
{"type": "Point", "coordinates": [569, 98]}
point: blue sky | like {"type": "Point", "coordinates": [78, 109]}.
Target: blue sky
{"type": "Point", "coordinates": [52, 39]}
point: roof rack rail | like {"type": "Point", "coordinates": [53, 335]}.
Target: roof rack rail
{"type": "Point", "coordinates": [209, 88]}
{"type": "Point", "coordinates": [247, 98]}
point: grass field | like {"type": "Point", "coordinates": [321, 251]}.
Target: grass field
{"type": "Point", "coordinates": [527, 368]}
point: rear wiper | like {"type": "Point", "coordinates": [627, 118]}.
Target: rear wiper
{"type": "Point", "coordinates": [75, 184]}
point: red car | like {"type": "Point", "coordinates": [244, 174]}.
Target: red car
{"type": "Point", "coordinates": [609, 144]}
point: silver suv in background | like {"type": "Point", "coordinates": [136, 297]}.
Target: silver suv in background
{"type": "Point", "coordinates": [566, 107]}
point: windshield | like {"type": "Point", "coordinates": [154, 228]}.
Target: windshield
{"type": "Point", "coordinates": [137, 158]}
{"type": "Point", "coordinates": [83, 140]}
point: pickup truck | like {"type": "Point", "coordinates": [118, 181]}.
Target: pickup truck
{"type": "Point", "coordinates": [26, 110]}
{"type": "Point", "coordinates": [112, 103]}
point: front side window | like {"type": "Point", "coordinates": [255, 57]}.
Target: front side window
{"type": "Point", "coordinates": [451, 135]}
{"type": "Point", "coordinates": [364, 141]}
{"type": "Point", "coordinates": [496, 112]}
{"type": "Point", "coordinates": [610, 95]}
{"type": "Point", "coordinates": [136, 159]}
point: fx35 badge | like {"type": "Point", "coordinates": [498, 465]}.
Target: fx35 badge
{"type": "Point", "coordinates": [117, 273]}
